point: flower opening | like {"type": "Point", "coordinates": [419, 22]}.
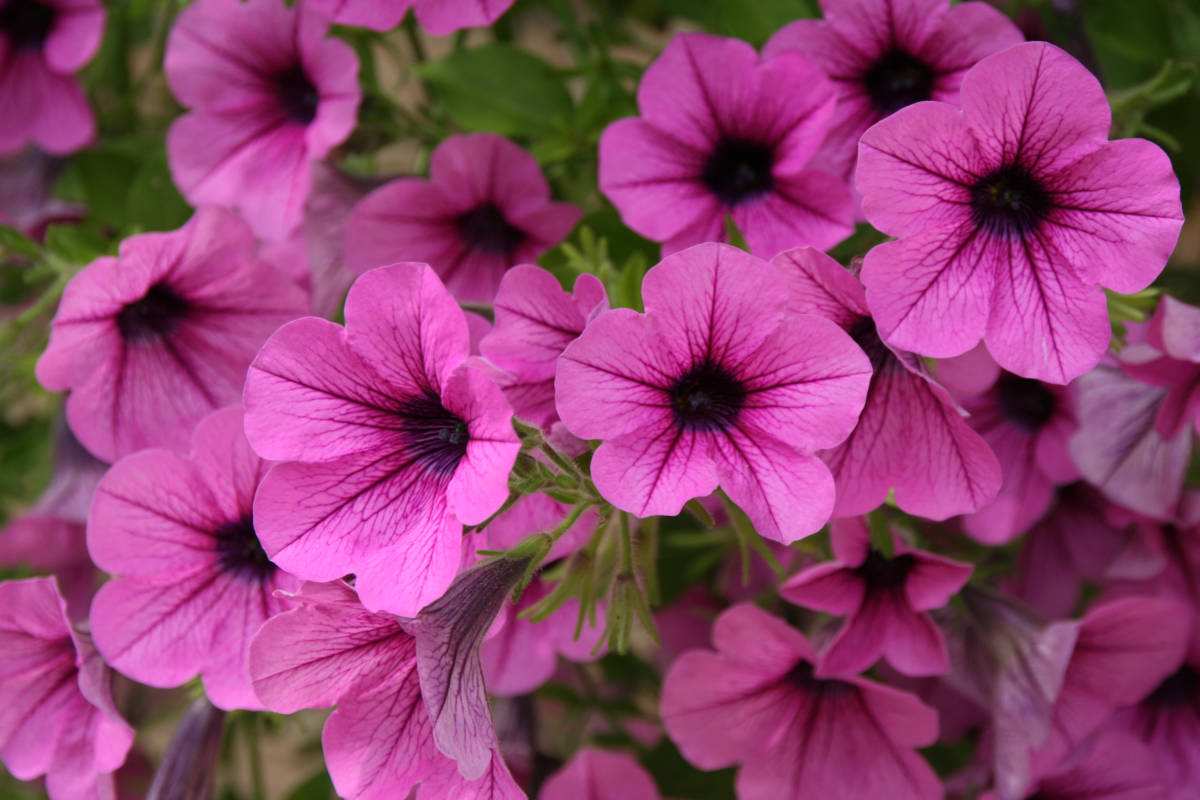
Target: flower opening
{"type": "Point", "coordinates": [27, 24]}
{"type": "Point", "coordinates": [898, 79]}
{"type": "Point", "coordinates": [739, 170]}
{"type": "Point", "coordinates": [158, 312]}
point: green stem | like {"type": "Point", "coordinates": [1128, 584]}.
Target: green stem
{"type": "Point", "coordinates": [256, 760]}
{"type": "Point", "coordinates": [414, 38]}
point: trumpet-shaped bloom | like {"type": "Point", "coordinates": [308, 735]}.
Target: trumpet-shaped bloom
{"type": "Point", "coordinates": [486, 207]}
{"type": "Point", "coordinates": [267, 91]}
{"type": "Point", "coordinates": [57, 716]}
{"type": "Point", "coordinates": [151, 341]}
{"type": "Point", "coordinates": [884, 600]}
{"type": "Point", "coordinates": [195, 584]}
{"type": "Point", "coordinates": [717, 384]}
{"type": "Point", "coordinates": [594, 774]}
{"type": "Point", "coordinates": [1170, 358]}
{"type": "Point", "coordinates": [390, 442]}
{"type": "Point", "coordinates": [1011, 214]}
{"type": "Point", "coordinates": [43, 43]}
{"type": "Point", "coordinates": [911, 436]}
{"type": "Point", "coordinates": [883, 55]}
{"type": "Point", "coordinates": [439, 17]}
{"type": "Point", "coordinates": [758, 702]}
{"type": "Point", "coordinates": [722, 133]}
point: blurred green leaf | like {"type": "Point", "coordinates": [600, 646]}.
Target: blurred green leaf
{"type": "Point", "coordinates": [13, 241]}
{"type": "Point", "coordinates": [318, 787]}
{"type": "Point", "coordinates": [754, 22]}
{"type": "Point", "coordinates": [126, 185]}
{"type": "Point", "coordinates": [677, 778]}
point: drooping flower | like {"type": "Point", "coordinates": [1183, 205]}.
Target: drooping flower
{"type": "Point", "coordinates": [883, 599]}
{"type": "Point", "coordinates": [439, 17]}
{"type": "Point", "coordinates": [188, 769]}
{"type": "Point", "coordinates": [1011, 214]}
{"type": "Point", "coordinates": [267, 92]}
{"type": "Point", "coordinates": [154, 339]}
{"type": "Point", "coordinates": [195, 584]}
{"type": "Point", "coordinates": [43, 43]}
{"type": "Point", "coordinates": [883, 55]}
{"type": "Point", "coordinates": [391, 442]}
{"type": "Point", "coordinates": [723, 133]}
{"type": "Point", "coordinates": [758, 702]}
{"type": "Point", "coordinates": [27, 202]}
{"type": "Point", "coordinates": [57, 716]}
{"type": "Point", "coordinates": [594, 774]}
{"type": "Point", "coordinates": [486, 207]}
{"type": "Point", "coordinates": [911, 436]}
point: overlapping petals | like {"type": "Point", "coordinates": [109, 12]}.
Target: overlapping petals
{"type": "Point", "coordinates": [439, 17]}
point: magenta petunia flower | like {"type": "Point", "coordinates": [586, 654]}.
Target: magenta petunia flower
{"type": "Point", "coordinates": [911, 436]}
{"type": "Point", "coordinates": [154, 339]}
{"type": "Point", "coordinates": [1012, 213]}
{"type": "Point", "coordinates": [1163, 561]}
{"type": "Point", "coordinates": [486, 207]}
{"type": "Point", "coordinates": [391, 442]}
{"type": "Point", "coordinates": [717, 384]}
{"type": "Point", "coordinates": [267, 92]}
{"type": "Point", "coordinates": [439, 17]}
{"type": "Point", "coordinates": [194, 582]}
{"type": "Point", "coordinates": [883, 55]}
{"type": "Point", "coordinates": [43, 43]}
{"type": "Point", "coordinates": [1170, 358]}
{"type": "Point", "coordinates": [57, 716]}
{"type": "Point", "coordinates": [1113, 765]}
{"type": "Point", "coordinates": [757, 702]}
{"type": "Point", "coordinates": [594, 774]}
{"type": "Point", "coordinates": [884, 600]}
{"type": "Point", "coordinates": [723, 133]}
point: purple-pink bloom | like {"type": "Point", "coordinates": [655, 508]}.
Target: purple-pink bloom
{"type": "Point", "coordinates": [1170, 358]}
{"type": "Point", "coordinates": [594, 774]}
{"type": "Point", "coordinates": [267, 91]}
{"type": "Point", "coordinates": [723, 133]}
{"type": "Point", "coordinates": [883, 55]}
{"type": "Point", "coordinates": [717, 384]}
{"type": "Point", "coordinates": [43, 43]}
{"type": "Point", "coordinates": [1011, 214]}
{"type": "Point", "coordinates": [1112, 765]}
{"type": "Point", "coordinates": [27, 202]}
{"type": "Point", "coordinates": [911, 436]}
{"type": "Point", "coordinates": [195, 584]}
{"type": "Point", "coordinates": [485, 207]}
{"type": "Point", "coordinates": [151, 341]}
{"type": "Point", "coordinates": [57, 716]}
{"type": "Point", "coordinates": [884, 599]}
{"type": "Point", "coordinates": [758, 702]}
{"type": "Point", "coordinates": [391, 442]}
{"type": "Point", "coordinates": [439, 17]}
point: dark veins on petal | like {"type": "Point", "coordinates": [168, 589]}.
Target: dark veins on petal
{"type": "Point", "coordinates": [240, 553]}
{"type": "Point", "coordinates": [803, 677]}
{"type": "Point", "coordinates": [865, 335]}
{"type": "Point", "coordinates": [27, 23]}
{"type": "Point", "coordinates": [298, 97]}
{"type": "Point", "coordinates": [435, 437]}
{"type": "Point", "coordinates": [1180, 688]}
{"type": "Point", "coordinates": [881, 572]}
{"type": "Point", "coordinates": [739, 170]}
{"type": "Point", "coordinates": [1027, 403]}
{"type": "Point", "coordinates": [155, 315]}
{"type": "Point", "coordinates": [485, 228]}
{"type": "Point", "coordinates": [897, 80]}
{"type": "Point", "coordinates": [1009, 202]}
{"type": "Point", "coordinates": [707, 397]}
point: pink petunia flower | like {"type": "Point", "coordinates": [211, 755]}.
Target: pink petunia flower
{"type": "Point", "coordinates": [391, 442]}
{"type": "Point", "coordinates": [717, 384]}
{"type": "Point", "coordinates": [884, 600]}
{"type": "Point", "coordinates": [758, 702]}
{"type": "Point", "coordinates": [57, 716]}
{"type": "Point", "coordinates": [154, 339]}
{"type": "Point", "coordinates": [1163, 561]}
{"type": "Point", "coordinates": [486, 207]}
{"type": "Point", "coordinates": [723, 133]}
{"type": "Point", "coordinates": [911, 435]}
{"type": "Point", "coordinates": [1113, 765]}
{"type": "Point", "coordinates": [439, 17]}
{"type": "Point", "coordinates": [883, 55]}
{"type": "Point", "coordinates": [42, 44]}
{"type": "Point", "coordinates": [1170, 358]}
{"type": "Point", "coordinates": [594, 774]}
{"type": "Point", "coordinates": [1011, 214]}
{"type": "Point", "coordinates": [194, 582]}
{"type": "Point", "coordinates": [267, 92]}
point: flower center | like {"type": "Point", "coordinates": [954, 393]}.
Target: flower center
{"type": "Point", "coordinates": [803, 677]}
{"type": "Point", "coordinates": [1181, 688]}
{"type": "Point", "coordinates": [866, 336]}
{"type": "Point", "coordinates": [156, 314]}
{"type": "Point", "coordinates": [897, 80]}
{"type": "Point", "coordinates": [27, 23]}
{"type": "Point", "coordinates": [436, 437]}
{"type": "Point", "coordinates": [1026, 403]}
{"type": "Point", "coordinates": [240, 553]}
{"type": "Point", "coordinates": [706, 398]}
{"type": "Point", "coordinates": [298, 97]}
{"type": "Point", "coordinates": [739, 170]}
{"type": "Point", "coordinates": [485, 228]}
{"type": "Point", "coordinates": [1009, 202]}
{"type": "Point", "coordinates": [881, 572]}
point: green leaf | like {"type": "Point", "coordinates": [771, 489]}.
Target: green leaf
{"type": "Point", "coordinates": [13, 241]}
{"type": "Point", "coordinates": [754, 22]}
{"type": "Point", "coordinates": [317, 787]}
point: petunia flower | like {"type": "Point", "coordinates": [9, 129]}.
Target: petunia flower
{"type": "Point", "coordinates": [717, 384]}
{"type": "Point", "coordinates": [390, 442]}
{"type": "Point", "coordinates": [439, 17]}
{"type": "Point", "coordinates": [1011, 214]}
{"type": "Point", "coordinates": [43, 43]}
{"type": "Point", "coordinates": [267, 92]}
{"type": "Point", "coordinates": [883, 55]}
{"type": "Point", "coordinates": [57, 716]}
{"type": "Point", "coordinates": [884, 599]}
{"type": "Point", "coordinates": [27, 202]}
{"type": "Point", "coordinates": [758, 702]}
{"type": "Point", "coordinates": [1112, 765]}
{"type": "Point", "coordinates": [486, 207]}
{"type": "Point", "coordinates": [194, 582]}
{"type": "Point", "coordinates": [722, 133]}
{"type": "Point", "coordinates": [189, 767]}
{"type": "Point", "coordinates": [594, 774]}
{"type": "Point", "coordinates": [151, 341]}
{"type": "Point", "coordinates": [911, 436]}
